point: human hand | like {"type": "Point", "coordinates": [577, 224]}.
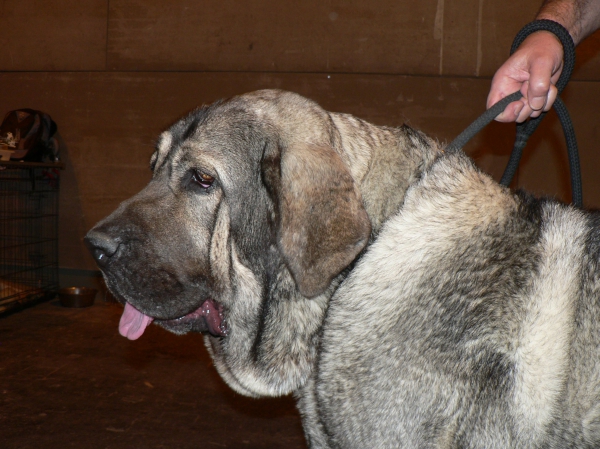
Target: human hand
{"type": "Point", "coordinates": [534, 69]}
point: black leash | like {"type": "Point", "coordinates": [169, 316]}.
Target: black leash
{"type": "Point", "coordinates": [526, 129]}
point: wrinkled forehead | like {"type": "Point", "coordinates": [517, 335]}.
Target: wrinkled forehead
{"type": "Point", "coordinates": [212, 133]}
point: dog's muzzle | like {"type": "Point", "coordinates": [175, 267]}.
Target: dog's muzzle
{"type": "Point", "coordinates": [207, 316]}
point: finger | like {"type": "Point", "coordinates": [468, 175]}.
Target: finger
{"type": "Point", "coordinates": [551, 98]}
{"type": "Point", "coordinates": [493, 97]}
{"type": "Point", "coordinates": [552, 94]}
{"type": "Point", "coordinates": [539, 84]}
{"type": "Point", "coordinates": [524, 113]}
{"type": "Point", "coordinates": [503, 84]}
{"type": "Point", "coordinates": [511, 112]}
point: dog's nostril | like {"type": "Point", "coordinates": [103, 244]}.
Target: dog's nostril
{"type": "Point", "coordinates": [100, 256]}
{"type": "Point", "coordinates": [102, 246]}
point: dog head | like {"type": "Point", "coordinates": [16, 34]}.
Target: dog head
{"type": "Point", "coordinates": [251, 214]}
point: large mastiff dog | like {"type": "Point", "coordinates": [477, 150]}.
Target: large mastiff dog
{"type": "Point", "coordinates": [404, 297]}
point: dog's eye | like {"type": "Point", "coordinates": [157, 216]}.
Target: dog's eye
{"type": "Point", "coordinates": [202, 179]}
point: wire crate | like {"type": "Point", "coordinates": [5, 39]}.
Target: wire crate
{"type": "Point", "coordinates": [28, 233]}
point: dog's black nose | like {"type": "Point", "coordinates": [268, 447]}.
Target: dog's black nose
{"type": "Point", "coordinates": [102, 246]}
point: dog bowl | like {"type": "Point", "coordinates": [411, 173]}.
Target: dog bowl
{"type": "Point", "coordinates": [5, 153]}
{"type": "Point", "coordinates": [77, 296]}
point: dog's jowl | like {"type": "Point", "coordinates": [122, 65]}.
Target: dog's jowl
{"type": "Point", "coordinates": [404, 297]}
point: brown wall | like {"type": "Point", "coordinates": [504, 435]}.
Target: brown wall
{"type": "Point", "coordinates": [114, 73]}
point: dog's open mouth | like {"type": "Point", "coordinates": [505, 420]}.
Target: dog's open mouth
{"type": "Point", "coordinates": [208, 317]}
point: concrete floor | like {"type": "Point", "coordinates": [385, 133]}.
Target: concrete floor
{"type": "Point", "coordinates": [68, 379]}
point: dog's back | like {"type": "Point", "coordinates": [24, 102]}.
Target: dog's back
{"type": "Point", "coordinates": [480, 306]}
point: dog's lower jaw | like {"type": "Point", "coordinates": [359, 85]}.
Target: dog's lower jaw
{"type": "Point", "coordinates": [209, 317]}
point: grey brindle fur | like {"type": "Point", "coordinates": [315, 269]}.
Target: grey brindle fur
{"type": "Point", "coordinates": [404, 297]}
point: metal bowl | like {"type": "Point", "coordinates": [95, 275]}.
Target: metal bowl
{"type": "Point", "coordinates": [77, 296]}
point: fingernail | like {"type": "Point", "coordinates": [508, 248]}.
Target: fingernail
{"type": "Point", "coordinates": [537, 103]}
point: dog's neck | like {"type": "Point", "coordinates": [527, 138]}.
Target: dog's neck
{"type": "Point", "coordinates": [384, 162]}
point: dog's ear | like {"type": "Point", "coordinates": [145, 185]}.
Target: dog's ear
{"type": "Point", "coordinates": [322, 222]}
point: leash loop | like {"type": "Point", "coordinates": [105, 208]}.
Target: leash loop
{"type": "Point", "coordinates": [526, 129]}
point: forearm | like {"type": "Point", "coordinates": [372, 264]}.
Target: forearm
{"type": "Point", "coordinates": [580, 17]}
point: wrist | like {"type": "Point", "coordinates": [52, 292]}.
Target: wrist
{"type": "Point", "coordinates": [566, 15]}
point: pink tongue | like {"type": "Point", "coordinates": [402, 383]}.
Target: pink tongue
{"type": "Point", "coordinates": [133, 322]}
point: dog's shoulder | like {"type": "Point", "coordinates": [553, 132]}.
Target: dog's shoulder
{"type": "Point", "coordinates": [460, 288]}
